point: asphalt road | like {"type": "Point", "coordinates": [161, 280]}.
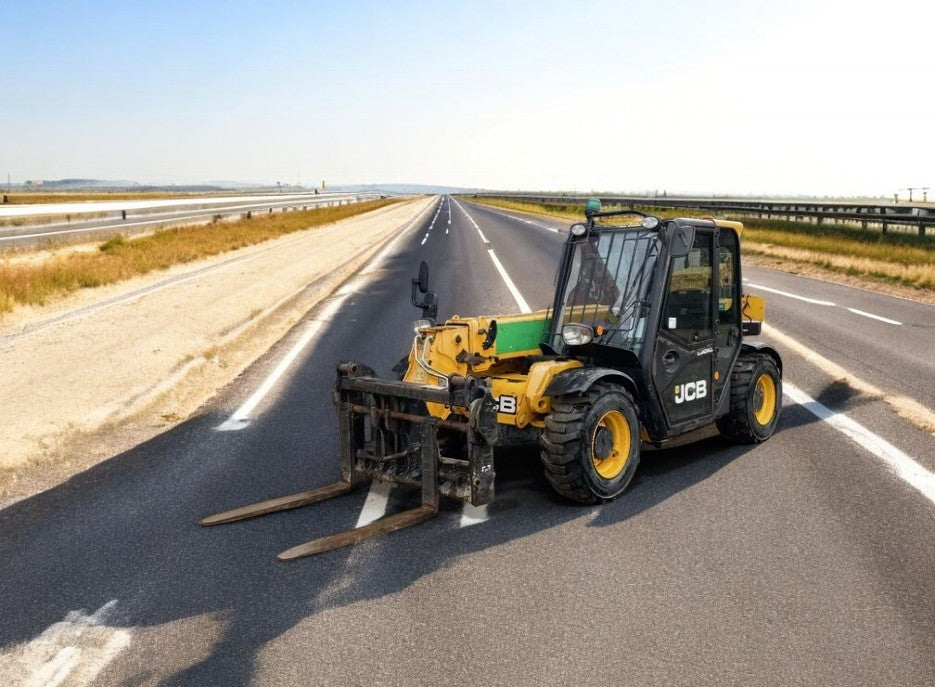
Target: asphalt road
{"type": "Point", "coordinates": [805, 560]}
{"type": "Point", "coordinates": [142, 216]}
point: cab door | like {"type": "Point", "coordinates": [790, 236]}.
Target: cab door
{"type": "Point", "coordinates": [684, 357]}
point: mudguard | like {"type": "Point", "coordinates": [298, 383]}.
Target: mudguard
{"type": "Point", "coordinates": [581, 379]}
{"type": "Point", "coordinates": [760, 347]}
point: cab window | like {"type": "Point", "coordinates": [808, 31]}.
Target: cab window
{"type": "Point", "coordinates": [688, 313]}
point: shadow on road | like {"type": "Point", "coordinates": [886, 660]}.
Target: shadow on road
{"type": "Point", "coordinates": [108, 534]}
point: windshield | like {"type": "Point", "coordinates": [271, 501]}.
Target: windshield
{"type": "Point", "coordinates": [607, 288]}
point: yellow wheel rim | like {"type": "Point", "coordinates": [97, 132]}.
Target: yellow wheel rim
{"type": "Point", "coordinates": [764, 400]}
{"type": "Point", "coordinates": [610, 444]}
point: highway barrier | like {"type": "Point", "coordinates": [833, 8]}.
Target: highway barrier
{"type": "Point", "coordinates": [883, 215]}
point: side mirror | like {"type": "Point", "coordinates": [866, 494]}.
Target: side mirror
{"type": "Point", "coordinates": [681, 239]}
{"type": "Point", "coordinates": [429, 300]}
{"type": "Point", "coordinates": [423, 278]}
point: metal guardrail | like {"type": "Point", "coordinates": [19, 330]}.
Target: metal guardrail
{"type": "Point", "coordinates": [884, 215]}
{"type": "Point", "coordinates": [74, 228]}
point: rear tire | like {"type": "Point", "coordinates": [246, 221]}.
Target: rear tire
{"type": "Point", "coordinates": [591, 443]}
{"type": "Point", "coordinates": [755, 400]}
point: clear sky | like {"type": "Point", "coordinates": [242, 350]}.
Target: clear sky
{"type": "Point", "coordinates": [824, 97]}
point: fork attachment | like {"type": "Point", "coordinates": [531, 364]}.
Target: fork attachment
{"type": "Point", "coordinates": [386, 434]}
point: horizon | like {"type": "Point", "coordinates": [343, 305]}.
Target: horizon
{"type": "Point", "coordinates": [702, 100]}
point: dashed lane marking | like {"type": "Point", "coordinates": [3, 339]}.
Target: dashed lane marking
{"type": "Point", "coordinates": [820, 302]}
{"type": "Point", "coordinates": [875, 317]}
{"type": "Point", "coordinates": [790, 295]}
{"type": "Point", "coordinates": [435, 217]}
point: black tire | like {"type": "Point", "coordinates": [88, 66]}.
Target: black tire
{"type": "Point", "coordinates": [576, 434]}
{"type": "Point", "coordinates": [755, 400]}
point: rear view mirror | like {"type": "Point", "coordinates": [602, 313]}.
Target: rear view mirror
{"type": "Point", "coordinates": [429, 300]}
{"type": "Point", "coordinates": [423, 276]}
{"type": "Point", "coordinates": [681, 238]}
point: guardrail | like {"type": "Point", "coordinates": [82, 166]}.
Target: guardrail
{"type": "Point", "coordinates": [73, 228]}
{"type": "Point", "coordinates": [866, 214]}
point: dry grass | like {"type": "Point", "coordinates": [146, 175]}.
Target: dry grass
{"type": "Point", "coordinates": [572, 213]}
{"type": "Point", "coordinates": [920, 276]}
{"type": "Point", "coordinates": [895, 258]}
{"type": "Point", "coordinates": [119, 258]}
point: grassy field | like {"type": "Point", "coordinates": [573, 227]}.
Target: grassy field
{"type": "Point", "coordinates": [34, 198]}
{"type": "Point", "coordinates": [34, 283]}
{"type": "Point", "coordinates": [904, 259]}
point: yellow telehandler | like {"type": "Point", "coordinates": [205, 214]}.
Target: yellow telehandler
{"type": "Point", "coordinates": [644, 341]}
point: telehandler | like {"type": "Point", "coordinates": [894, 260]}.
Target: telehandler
{"type": "Point", "coordinates": [644, 341]}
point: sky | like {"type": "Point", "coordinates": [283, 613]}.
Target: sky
{"type": "Point", "coordinates": [817, 97]}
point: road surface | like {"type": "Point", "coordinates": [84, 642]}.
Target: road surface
{"type": "Point", "coordinates": [806, 560]}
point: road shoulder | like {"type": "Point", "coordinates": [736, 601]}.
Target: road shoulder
{"type": "Point", "coordinates": [95, 375]}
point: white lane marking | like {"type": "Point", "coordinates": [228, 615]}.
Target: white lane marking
{"type": "Point", "coordinates": [492, 209]}
{"type": "Point", "coordinates": [818, 302]}
{"type": "Point", "coordinates": [789, 295]}
{"type": "Point", "coordinates": [241, 417]}
{"type": "Point", "coordinates": [517, 296]}
{"type": "Point", "coordinates": [874, 317]}
{"type": "Point", "coordinates": [535, 224]}
{"type": "Point", "coordinates": [378, 499]}
{"type": "Point", "coordinates": [54, 671]}
{"type": "Point", "coordinates": [76, 649]}
{"type": "Point", "coordinates": [468, 216]}
{"type": "Point", "coordinates": [908, 408]}
{"type": "Point", "coordinates": [390, 248]}
{"type": "Point", "coordinates": [435, 217]}
{"type": "Point", "coordinates": [902, 465]}
{"type": "Point", "coordinates": [473, 515]}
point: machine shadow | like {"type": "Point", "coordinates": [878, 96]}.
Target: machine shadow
{"type": "Point", "coordinates": [162, 567]}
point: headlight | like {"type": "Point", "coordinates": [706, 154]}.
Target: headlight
{"type": "Point", "coordinates": [421, 324]}
{"type": "Point", "coordinates": [577, 334]}
{"type": "Point", "coordinates": [650, 222]}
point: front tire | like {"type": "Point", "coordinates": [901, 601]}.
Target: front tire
{"type": "Point", "coordinates": [591, 443]}
{"type": "Point", "coordinates": [755, 400]}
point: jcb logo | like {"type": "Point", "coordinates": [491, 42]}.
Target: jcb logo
{"type": "Point", "coordinates": [691, 391]}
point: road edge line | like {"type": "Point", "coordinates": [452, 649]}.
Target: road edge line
{"type": "Point", "coordinates": [240, 417]}
{"type": "Point", "coordinates": [901, 464]}
{"type": "Point", "coordinates": [907, 408]}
